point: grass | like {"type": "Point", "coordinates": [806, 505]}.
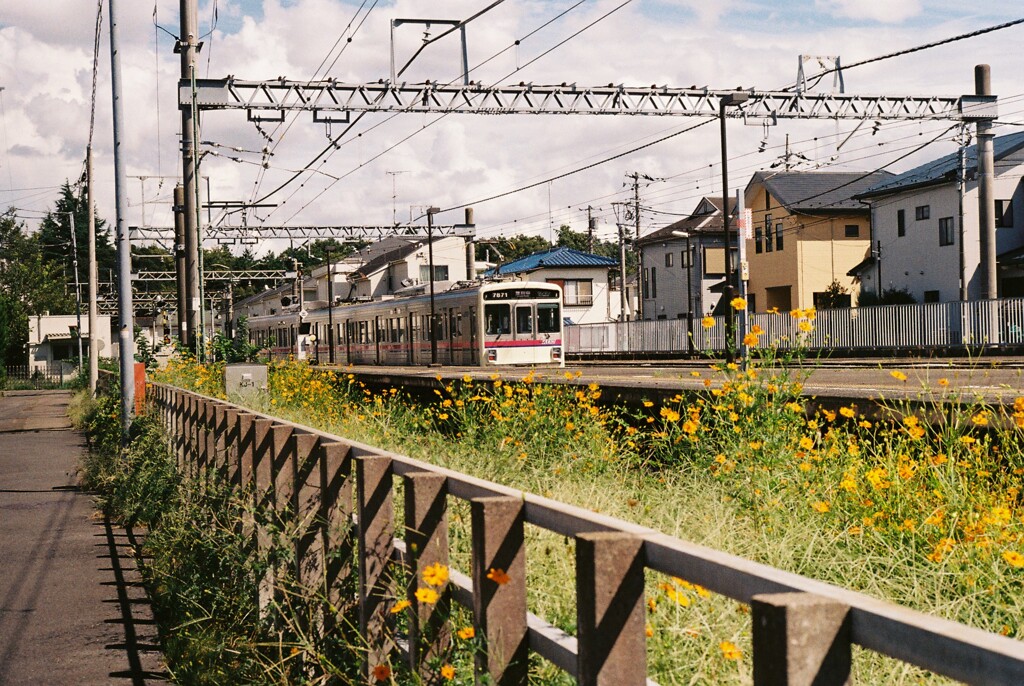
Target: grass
{"type": "Point", "coordinates": [925, 515]}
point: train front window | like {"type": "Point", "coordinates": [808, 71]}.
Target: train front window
{"type": "Point", "coordinates": [524, 319]}
{"type": "Point", "coordinates": [498, 319]}
{"type": "Point", "coordinates": [548, 317]}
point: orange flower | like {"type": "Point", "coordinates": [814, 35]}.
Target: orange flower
{"type": "Point", "coordinates": [448, 672]}
{"type": "Point", "coordinates": [898, 375]}
{"type": "Point", "coordinates": [498, 576]}
{"type": "Point", "coordinates": [381, 672]}
{"type": "Point", "coordinates": [399, 606]}
{"type": "Point", "coordinates": [466, 633]}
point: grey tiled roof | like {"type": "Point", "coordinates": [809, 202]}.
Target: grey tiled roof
{"type": "Point", "coordinates": [810, 192]}
{"type": "Point", "coordinates": [944, 169]}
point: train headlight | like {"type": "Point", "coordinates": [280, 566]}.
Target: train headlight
{"type": "Point", "coordinates": [492, 354]}
{"type": "Point", "coordinates": [556, 353]}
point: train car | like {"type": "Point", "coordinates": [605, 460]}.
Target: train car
{"type": "Point", "coordinates": [485, 324]}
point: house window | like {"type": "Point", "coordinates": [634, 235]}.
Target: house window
{"type": "Point", "coordinates": [579, 292]}
{"type": "Point", "coordinates": [901, 223]}
{"type": "Point", "coordinates": [758, 240]}
{"type": "Point", "coordinates": [778, 236]}
{"type": "Point", "coordinates": [768, 233]}
{"type": "Point", "coordinates": [685, 260]}
{"type": "Point", "coordinates": [1004, 214]}
{"type": "Point", "coordinates": [654, 283]}
{"type": "Point", "coordinates": [440, 272]}
{"type": "Point", "coordinates": [946, 231]}
{"type": "Point", "coordinates": [852, 231]}
{"type": "Point", "coordinates": [931, 296]}
{"type": "Point", "coordinates": [668, 258]}
{"type": "Point", "coordinates": [922, 212]}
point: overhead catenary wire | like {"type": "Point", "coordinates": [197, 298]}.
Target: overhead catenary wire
{"type": "Point", "coordinates": [420, 130]}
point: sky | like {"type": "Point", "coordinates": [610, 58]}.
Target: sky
{"type": "Point", "coordinates": [393, 167]}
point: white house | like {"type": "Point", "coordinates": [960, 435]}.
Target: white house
{"type": "Point", "coordinates": [680, 273]}
{"type": "Point", "coordinates": [587, 296]}
{"type": "Point", "coordinates": [927, 246]}
{"type": "Point", "coordinates": [52, 341]}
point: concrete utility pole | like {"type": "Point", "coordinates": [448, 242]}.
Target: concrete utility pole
{"type": "Point", "coordinates": [187, 46]}
{"type": "Point", "coordinates": [78, 287]}
{"type": "Point", "coordinates": [636, 246]}
{"type": "Point", "coordinates": [591, 229]}
{"type": "Point", "coordinates": [180, 266]}
{"type": "Point", "coordinates": [729, 292]}
{"type": "Point", "coordinates": [94, 353]}
{"type": "Point", "coordinates": [622, 276]}
{"type": "Point", "coordinates": [986, 179]}
{"type": "Point", "coordinates": [126, 347]}
{"type": "Point", "coordinates": [470, 247]}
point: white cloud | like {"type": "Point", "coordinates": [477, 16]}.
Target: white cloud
{"type": "Point", "coordinates": [884, 11]}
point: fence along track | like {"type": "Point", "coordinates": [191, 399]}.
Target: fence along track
{"type": "Point", "coordinates": [802, 629]}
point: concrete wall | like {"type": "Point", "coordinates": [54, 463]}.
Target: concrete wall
{"type": "Point", "coordinates": [41, 349]}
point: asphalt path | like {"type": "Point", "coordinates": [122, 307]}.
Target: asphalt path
{"type": "Point", "coordinates": [72, 610]}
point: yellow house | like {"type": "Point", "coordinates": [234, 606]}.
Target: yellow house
{"type": "Point", "coordinates": [808, 232]}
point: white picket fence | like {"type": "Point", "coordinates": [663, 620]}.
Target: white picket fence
{"type": "Point", "coordinates": [984, 324]}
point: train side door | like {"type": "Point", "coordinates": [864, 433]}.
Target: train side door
{"type": "Point", "coordinates": [410, 340]}
{"type": "Point", "coordinates": [474, 341]}
{"type": "Point", "coordinates": [376, 339]}
{"type": "Point", "coordinates": [525, 322]}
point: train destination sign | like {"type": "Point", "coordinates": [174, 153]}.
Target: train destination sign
{"type": "Point", "coordinates": [521, 294]}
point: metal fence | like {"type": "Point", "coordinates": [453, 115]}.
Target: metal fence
{"type": "Point", "coordinates": [984, 324]}
{"type": "Point", "coordinates": [50, 375]}
{"type": "Point", "coordinates": [341, 495]}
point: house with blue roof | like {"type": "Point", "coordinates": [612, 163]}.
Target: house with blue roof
{"type": "Point", "coordinates": [925, 234]}
{"type": "Point", "coordinates": [587, 295]}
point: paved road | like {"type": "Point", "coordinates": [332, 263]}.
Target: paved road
{"type": "Point", "coordinates": [71, 609]}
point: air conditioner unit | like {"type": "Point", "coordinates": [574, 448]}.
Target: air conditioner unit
{"type": "Point", "coordinates": [407, 282]}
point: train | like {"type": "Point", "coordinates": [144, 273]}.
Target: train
{"type": "Point", "coordinates": [480, 324]}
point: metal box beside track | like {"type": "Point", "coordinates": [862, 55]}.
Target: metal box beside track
{"type": "Point", "coordinates": [244, 379]}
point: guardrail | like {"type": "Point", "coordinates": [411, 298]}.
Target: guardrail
{"type": "Point", "coordinates": [341, 494]}
{"type": "Point", "coordinates": [981, 324]}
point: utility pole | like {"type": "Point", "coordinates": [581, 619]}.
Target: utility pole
{"type": "Point", "coordinates": [126, 347]}
{"type": "Point", "coordinates": [729, 292]}
{"type": "Point", "coordinates": [431, 211]}
{"type": "Point", "coordinates": [622, 276]}
{"type": "Point", "coordinates": [961, 183]}
{"type": "Point", "coordinates": [591, 226]}
{"type": "Point", "coordinates": [94, 353]}
{"type": "Point", "coordinates": [986, 177]}
{"type": "Point", "coordinates": [636, 246]}
{"type": "Point", "coordinates": [78, 287]}
{"type": "Point", "coordinates": [187, 46]}
{"type": "Point", "coordinates": [180, 268]}
{"type": "Point", "coordinates": [330, 307]}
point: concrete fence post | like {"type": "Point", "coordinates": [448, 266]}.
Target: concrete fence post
{"type": "Point", "coordinates": [203, 463]}
{"type": "Point", "coordinates": [426, 541]}
{"type": "Point", "coordinates": [241, 476]}
{"type": "Point", "coordinates": [189, 426]}
{"type": "Point", "coordinates": [612, 646]}
{"type": "Point", "coordinates": [499, 588]}
{"type": "Point", "coordinates": [302, 497]}
{"type": "Point", "coordinates": [375, 509]}
{"type": "Point", "coordinates": [219, 458]}
{"type": "Point", "coordinates": [800, 639]}
{"type": "Point", "coordinates": [336, 507]}
{"type": "Point", "coordinates": [282, 467]}
{"type": "Point", "coordinates": [263, 494]}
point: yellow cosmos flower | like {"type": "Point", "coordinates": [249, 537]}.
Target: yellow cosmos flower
{"type": "Point", "coordinates": [435, 574]}
{"type": "Point", "coordinates": [821, 507]}
{"type": "Point", "coordinates": [427, 596]}
{"type": "Point", "coordinates": [466, 633]}
{"type": "Point", "coordinates": [730, 651]}
{"type": "Point", "coordinates": [757, 330]}
{"type": "Point", "coordinates": [1013, 558]}
{"type": "Point", "coordinates": [738, 304]}
{"type": "Point", "coordinates": [898, 375]}
{"type": "Point", "coordinates": [448, 672]}
{"type": "Point", "coordinates": [399, 606]}
{"type": "Point", "coordinates": [707, 322]}
{"type": "Point", "coordinates": [750, 340]}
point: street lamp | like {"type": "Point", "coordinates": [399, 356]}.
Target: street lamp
{"type": "Point", "coordinates": [431, 211]}
{"type": "Point", "coordinates": [729, 292]}
{"type": "Point", "coordinates": [689, 285]}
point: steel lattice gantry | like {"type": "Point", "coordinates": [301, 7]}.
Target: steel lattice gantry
{"type": "Point", "coordinates": [343, 234]}
{"type": "Point", "coordinates": [262, 98]}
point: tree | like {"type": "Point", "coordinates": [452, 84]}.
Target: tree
{"type": "Point", "coordinates": [29, 284]}
{"type": "Point", "coordinates": [890, 296]}
{"type": "Point", "coordinates": [55, 236]}
{"type": "Point", "coordinates": [836, 295]}
{"type": "Point", "coordinates": [511, 249]}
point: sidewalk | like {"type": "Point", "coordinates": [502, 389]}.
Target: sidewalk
{"type": "Point", "coordinates": [71, 607]}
